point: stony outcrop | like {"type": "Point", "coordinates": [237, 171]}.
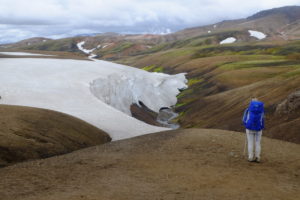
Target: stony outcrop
{"type": "Point", "coordinates": [290, 105]}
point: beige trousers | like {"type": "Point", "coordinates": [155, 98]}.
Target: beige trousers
{"type": "Point", "coordinates": [253, 140]}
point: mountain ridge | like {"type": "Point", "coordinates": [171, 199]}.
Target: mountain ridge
{"type": "Point", "coordinates": [289, 14]}
{"type": "Point", "coordinates": [292, 12]}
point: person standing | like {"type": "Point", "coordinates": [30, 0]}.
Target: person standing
{"type": "Point", "coordinates": [253, 121]}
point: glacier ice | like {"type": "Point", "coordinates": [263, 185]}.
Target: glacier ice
{"type": "Point", "coordinates": [155, 90]}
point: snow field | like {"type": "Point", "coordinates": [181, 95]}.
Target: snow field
{"type": "Point", "coordinates": [84, 89]}
{"type": "Point", "coordinates": [22, 54]}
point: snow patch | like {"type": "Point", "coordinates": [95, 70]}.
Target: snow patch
{"type": "Point", "coordinates": [105, 45]}
{"type": "Point", "coordinates": [257, 34]}
{"type": "Point", "coordinates": [228, 40]}
{"type": "Point", "coordinates": [86, 51]}
{"type": "Point", "coordinates": [92, 56]}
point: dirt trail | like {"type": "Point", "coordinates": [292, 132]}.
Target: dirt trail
{"type": "Point", "coordinates": [182, 164]}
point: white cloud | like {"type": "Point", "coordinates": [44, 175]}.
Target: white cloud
{"type": "Point", "coordinates": [62, 17]}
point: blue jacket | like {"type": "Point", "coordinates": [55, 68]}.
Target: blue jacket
{"type": "Point", "coordinates": [253, 118]}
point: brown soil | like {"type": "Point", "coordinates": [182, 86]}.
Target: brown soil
{"type": "Point", "coordinates": [31, 133]}
{"type": "Point", "coordinates": [183, 164]}
{"type": "Point", "coordinates": [144, 114]}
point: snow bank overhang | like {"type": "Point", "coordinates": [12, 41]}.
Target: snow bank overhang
{"type": "Point", "coordinates": [155, 90]}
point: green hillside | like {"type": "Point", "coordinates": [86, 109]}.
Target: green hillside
{"type": "Point", "coordinates": [223, 79]}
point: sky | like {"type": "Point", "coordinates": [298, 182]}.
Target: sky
{"type": "Point", "coordinates": [22, 19]}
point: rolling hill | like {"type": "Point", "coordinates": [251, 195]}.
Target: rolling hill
{"type": "Point", "coordinates": [32, 133]}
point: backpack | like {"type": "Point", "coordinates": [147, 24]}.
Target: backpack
{"type": "Point", "coordinates": [254, 116]}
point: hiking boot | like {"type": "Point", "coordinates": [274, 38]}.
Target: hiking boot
{"type": "Point", "coordinates": [257, 159]}
{"type": "Point", "coordinates": [251, 160]}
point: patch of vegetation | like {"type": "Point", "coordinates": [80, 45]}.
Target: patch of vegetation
{"type": "Point", "coordinates": [194, 41]}
{"type": "Point", "coordinates": [185, 101]}
{"type": "Point", "coordinates": [194, 81]}
{"type": "Point", "coordinates": [181, 104]}
{"type": "Point", "coordinates": [158, 69]}
{"type": "Point", "coordinates": [121, 47]}
{"type": "Point", "coordinates": [202, 42]}
{"type": "Point", "coordinates": [178, 52]}
{"type": "Point", "coordinates": [156, 48]}
{"type": "Point", "coordinates": [226, 34]}
{"type": "Point", "coordinates": [148, 68]}
{"type": "Point", "coordinates": [293, 56]}
{"type": "Point", "coordinates": [181, 114]}
{"type": "Point", "coordinates": [256, 63]}
{"type": "Point", "coordinates": [292, 73]}
{"type": "Point", "coordinates": [289, 49]}
{"type": "Point", "coordinates": [68, 44]}
{"type": "Point", "coordinates": [230, 50]}
{"type": "Point", "coordinates": [185, 92]}
{"type": "Point", "coordinates": [153, 68]}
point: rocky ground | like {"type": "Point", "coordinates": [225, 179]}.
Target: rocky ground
{"type": "Point", "coordinates": [182, 164]}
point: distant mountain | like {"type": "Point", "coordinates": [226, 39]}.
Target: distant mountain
{"type": "Point", "coordinates": [290, 12]}
{"type": "Point", "coordinates": [27, 42]}
{"type": "Point", "coordinates": [276, 24]}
